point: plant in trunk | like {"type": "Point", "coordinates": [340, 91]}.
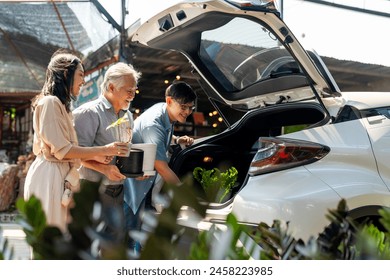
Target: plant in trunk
{"type": "Point", "coordinates": [215, 183]}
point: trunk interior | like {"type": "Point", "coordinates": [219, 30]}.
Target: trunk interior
{"type": "Point", "coordinates": [237, 146]}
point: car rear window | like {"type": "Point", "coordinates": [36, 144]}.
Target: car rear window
{"type": "Point", "coordinates": [243, 52]}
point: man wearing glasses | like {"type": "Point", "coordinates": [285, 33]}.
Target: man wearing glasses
{"type": "Point", "coordinates": [155, 126]}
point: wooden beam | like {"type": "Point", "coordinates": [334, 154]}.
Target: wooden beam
{"type": "Point", "coordinates": [112, 60]}
{"type": "Point", "coordinates": [19, 94]}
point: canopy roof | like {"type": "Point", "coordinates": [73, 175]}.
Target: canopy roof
{"type": "Point", "coordinates": [30, 31]}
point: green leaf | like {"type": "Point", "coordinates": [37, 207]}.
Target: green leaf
{"type": "Point", "coordinates": [34, 218]}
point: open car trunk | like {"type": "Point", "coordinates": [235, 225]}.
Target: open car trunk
{"type": "Point", "coordinates": [237, 146]}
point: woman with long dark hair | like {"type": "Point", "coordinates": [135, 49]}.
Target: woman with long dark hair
{"type": "Point", "coordinates": [55, 141]}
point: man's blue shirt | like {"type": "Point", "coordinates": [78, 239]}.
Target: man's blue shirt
{"type": "Point", "coordinates": [152, 126]}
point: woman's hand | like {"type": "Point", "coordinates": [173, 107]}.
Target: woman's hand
{"type": "Point", "coordinates": [117, 149]}
{"type": "Point", "coordinates": [103, 159]}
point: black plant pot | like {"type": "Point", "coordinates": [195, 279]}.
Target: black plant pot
{"type": "Point", "coordinates": [131, 166]}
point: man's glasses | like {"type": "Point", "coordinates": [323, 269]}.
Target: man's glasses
{"type": "Point", "coordinates": [184, 107]}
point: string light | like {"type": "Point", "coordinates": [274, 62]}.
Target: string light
{"type": "Point", "coordinates": [215, 116]}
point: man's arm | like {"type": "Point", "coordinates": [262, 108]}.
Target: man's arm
{"type": "Point", "coordinates": [166, 172]}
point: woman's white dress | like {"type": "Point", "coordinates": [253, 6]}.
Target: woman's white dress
{"type": "Point", "coordinates": [54, 135]}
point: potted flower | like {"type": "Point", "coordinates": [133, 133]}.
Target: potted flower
{"type": "Point", "coordinates": [130, 164]}
{"type": "Point", "coordinates": [216, 184]}
{"type": "Point", "coordinates": [124, 128]}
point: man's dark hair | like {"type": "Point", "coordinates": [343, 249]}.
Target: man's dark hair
{"type": "Point", "coordinates": [181, 92]}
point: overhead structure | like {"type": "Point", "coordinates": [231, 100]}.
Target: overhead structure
{"type": "Point", "coordinates": [30, 31]}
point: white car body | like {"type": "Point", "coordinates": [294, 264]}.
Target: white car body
{"type": "Point", "coordinates": [353, 128]}
{"type": "Point", "coordinates": [303, 195]}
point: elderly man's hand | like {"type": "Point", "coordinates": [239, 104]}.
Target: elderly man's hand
{"type": "Point", "coordinates": [112, 172]}
{"type": "Point", "coordinates": [141, 178]}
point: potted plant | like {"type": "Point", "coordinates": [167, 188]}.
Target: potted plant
{"type": "Point", "coordinates": [124, 129]}
{"type": "Point", "coordinates": [130, 164]}
{"type": "Point", "coordinates": [216, 184]}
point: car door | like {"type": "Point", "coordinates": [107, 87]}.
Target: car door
{"type": "Point", "coordinates": [378, 128]}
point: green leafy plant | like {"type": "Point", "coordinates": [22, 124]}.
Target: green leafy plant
{"type": "Point", "coordinates": [215, 183]}
{"type": "Point", "coordinates": [372, 243]}
{"type": "Point", "coordinates": [218, 243]}
{"type": "Point", "coordinates": [343, 239]}
{"type": "Point", "coordinates": [84, 238]}
{"type": "Point", "coordinates": [167, 235]}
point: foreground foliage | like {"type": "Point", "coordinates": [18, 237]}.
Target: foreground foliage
{"type": "Point", "coordinates": [163, 238]}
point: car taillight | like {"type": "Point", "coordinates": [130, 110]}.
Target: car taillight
{"type": "Point", "coordinates": [277, 153]}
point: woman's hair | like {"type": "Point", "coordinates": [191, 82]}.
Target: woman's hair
{"type": "Point", "coordinates": [181, 92]}
{"type": "Point", "coordinates": [116, 75]}
{"type": "Point", "coordinates": [59, 77]}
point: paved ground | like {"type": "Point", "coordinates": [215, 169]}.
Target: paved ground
{"type": "Point", "coordinates": [15, 236]}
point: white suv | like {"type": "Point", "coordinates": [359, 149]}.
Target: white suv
{"type": "Point", "coordinates": [264, 83]}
